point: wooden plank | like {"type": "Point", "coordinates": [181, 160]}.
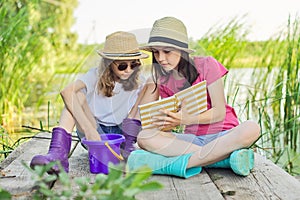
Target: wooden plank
{"type": "Point", "coordinates": [20, 184]}
{"type": "Point", "coordinates": [78, 167]}
{"type": "Point", "coordinates": [79, 162]}
{"type": "Point", "coordinates": [267, 181]}
{"type": "Point", "coordinates": [273, 178]}
{"type": "Point", "coordinates": [26, 146]}
{"type": "Point", "coordinates": [174, 188]}
{"type": "Point", "coordinates": [194, 188]}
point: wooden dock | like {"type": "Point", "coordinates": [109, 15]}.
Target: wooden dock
{"type": "Point", "coordinates": [266, 181]}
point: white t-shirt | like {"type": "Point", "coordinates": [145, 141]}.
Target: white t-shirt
{"type": "Point", "coordinates": [109, 111]}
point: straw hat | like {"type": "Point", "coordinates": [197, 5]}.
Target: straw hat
{"type": "Point", "coordinates": [121, 46]}
{"type": "Point", "coordinates": [168, 32]}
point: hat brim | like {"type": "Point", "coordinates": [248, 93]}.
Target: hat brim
{"type": "Point", "coordinates": [151, 45]}
{"type": "Point", "coordinates": [123, 56]}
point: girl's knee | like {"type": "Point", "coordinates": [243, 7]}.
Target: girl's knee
{"type": "Point", "coordinates": [254, 128]}
{"type": "Point", "coordinates": [249, 132]}
{"type": "Point", "coordinates": [142, 138]}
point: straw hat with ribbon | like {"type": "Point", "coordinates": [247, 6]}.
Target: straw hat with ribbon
{"type": "Point", "coordinates": [168, 32]}
{"type": "Point", "coordinates": [121, 46]}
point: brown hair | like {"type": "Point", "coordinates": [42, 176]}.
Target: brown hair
{"type": "Point", "coordinates": [107, 77]}
{"type": "Point", "coordinates": [186, 67]}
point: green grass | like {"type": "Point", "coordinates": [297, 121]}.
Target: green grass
{"type": "Point", "coordinates": [36, 48]}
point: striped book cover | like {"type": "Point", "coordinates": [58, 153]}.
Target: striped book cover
{"type": "Point", "coordinates": [147, 111]}
{"type": "Point", "coordinates": [195, 98]}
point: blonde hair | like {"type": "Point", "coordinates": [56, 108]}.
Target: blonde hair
{"type": "Point", "coordinates": [107, 77]}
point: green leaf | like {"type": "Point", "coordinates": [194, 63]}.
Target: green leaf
{"type": "Point", "coordinates": [115, 172]}
{"type": "Point", "coordinates": [151, 186]}
{"type": "Point", "coordinates": [132, 192]}
{"type": "Point", "coordinates": [141, 174]}
{"type": "Point", "coordinates": [110, 187]}
{"type": "Point", "coordinates": [82, 182]}
{"type": "Point", "coordinates": [50, 178]}
{"type": "Point", "coordinates": [46, 192]}
{"type": "Point", "coordinates": [64, 178]}
{"type": "Point", "coordinates": [67, 193]}
{"type": "Point", "coordinates": [4, 195]}
{"type": "Point", "coordinates": [129, 179]}
{"type": "Point", "coordinates": [101, 182]}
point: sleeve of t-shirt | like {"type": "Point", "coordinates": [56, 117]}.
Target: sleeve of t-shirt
{"type": "Point", "coordinates": [89, 79]}
{"type": "Point", "coordinates": [212, 70]}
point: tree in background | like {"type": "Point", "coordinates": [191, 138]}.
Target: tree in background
{"type": "Point", "coordinates": [36, 43]}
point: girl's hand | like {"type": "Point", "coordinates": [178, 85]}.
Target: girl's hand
{"type": "Point", "coordinates": [169, 120]}
{"type": "Point", "coordinates": [93, 136]}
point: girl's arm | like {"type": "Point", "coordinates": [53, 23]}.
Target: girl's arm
{"type": "Point", "coordinates": [146, 95]}
{"type": "Point", "coordinates": [75, 102]}
{"type": "Point", "coordinates": [215, 114]}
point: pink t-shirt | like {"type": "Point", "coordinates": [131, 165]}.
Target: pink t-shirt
{"type": "Point", "coordinates": [209, 69]}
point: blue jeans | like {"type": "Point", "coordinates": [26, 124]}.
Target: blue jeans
{"type": "Point", "coordinates": [200, 140]}
{"type": "Point", "coordinates": [102, 129]}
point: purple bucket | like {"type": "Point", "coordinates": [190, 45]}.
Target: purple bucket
{"type": "Point", "coordinates": [103, 152]}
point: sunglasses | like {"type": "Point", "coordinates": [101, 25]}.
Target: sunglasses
{"type": "Point", "coordinates": [123, 65]}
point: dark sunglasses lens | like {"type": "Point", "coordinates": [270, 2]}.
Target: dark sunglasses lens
{"type": "Point", "coordinates": [122, 66]}
{"type": "Point", "coordinates": [135, 65]}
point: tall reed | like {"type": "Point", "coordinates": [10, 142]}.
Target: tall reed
{"type": "Point", "coordinates": [272, 96]}
{"type": "Point", "coordinates": [36, 48]}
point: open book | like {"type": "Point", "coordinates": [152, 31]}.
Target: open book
{"type": "Point", "coordinates": [195, 101]}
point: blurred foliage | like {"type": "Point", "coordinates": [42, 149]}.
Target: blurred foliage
{"type": "Point", "coordinates": [113, 186]}
{"type": "Point", "coordinates": [35, 46]}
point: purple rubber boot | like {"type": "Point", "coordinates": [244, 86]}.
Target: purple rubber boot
{"type": "Point", "coordinates": [58, 151]}
{"type": "Point", "coordinates": [130, 129]}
